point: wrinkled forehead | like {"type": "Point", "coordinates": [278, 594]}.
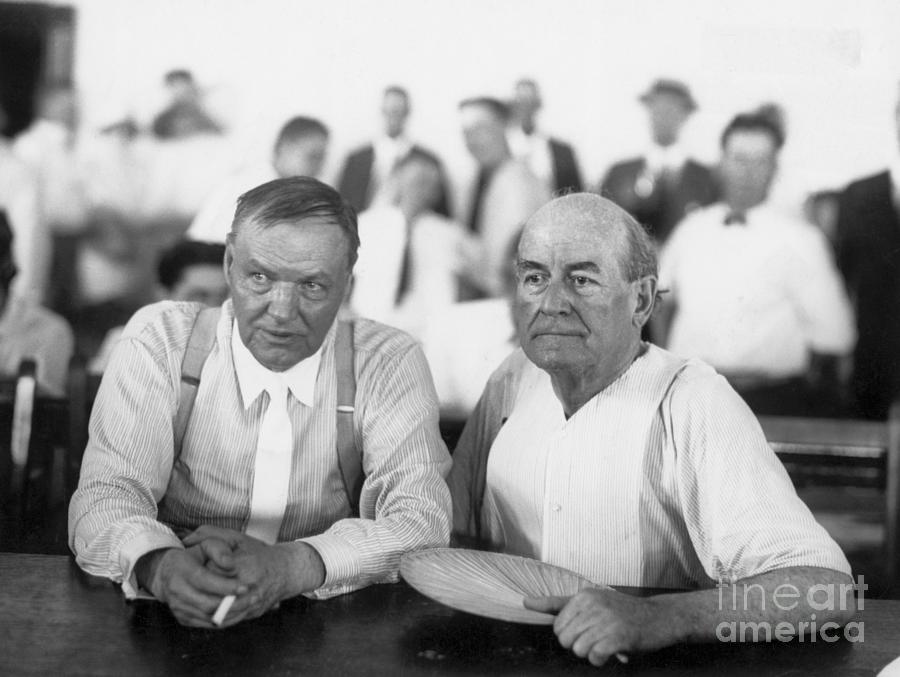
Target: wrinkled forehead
{"type": "Point", "coordinates": [580, 226]}
{"type": "Point", "coordinates": [256, 232]}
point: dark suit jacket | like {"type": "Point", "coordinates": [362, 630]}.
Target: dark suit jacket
{"type": "Point", "coordinates": [667, 203]}
{"type": "Point", "coordinates": [356, 177]}
{"type": "Point", "coordinates": [868, 254]}
{"type": "Point", "coordinates": [566, 176]}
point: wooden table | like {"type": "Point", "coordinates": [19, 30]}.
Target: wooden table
{"type": "Point", "coordinates": [55, 620]}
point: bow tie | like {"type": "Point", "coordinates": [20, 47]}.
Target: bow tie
{"type": "Point", "coordinates": [735, 218]}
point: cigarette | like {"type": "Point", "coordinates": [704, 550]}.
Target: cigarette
{"type": "Point", "coordinates": [622, 658]}
{"type": "Point", "coordinates": [222, 611]}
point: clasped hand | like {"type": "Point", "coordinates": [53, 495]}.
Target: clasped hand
{"type": "Point", "coordinates": [217, 562]}
{"type": "Point", "coordinates": [597, 623]}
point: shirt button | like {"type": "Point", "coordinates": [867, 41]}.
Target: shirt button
{"type": "Point", "coordinates": [556, 507]}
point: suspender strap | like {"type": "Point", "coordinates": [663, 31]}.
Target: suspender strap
{"type": "Point", "coordinates": [349, 460]}
{"type": "Point", "coordinates": [200, 343]}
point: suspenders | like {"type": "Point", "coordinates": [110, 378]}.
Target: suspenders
{"type": "Point", "coordinates": [349, 459]}
{"type": "Point", "coordinates": [200, 343]}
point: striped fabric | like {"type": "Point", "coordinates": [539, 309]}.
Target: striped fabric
{"type": "Point", "coordinates": [664, 479]}
{"type": "Point", "coordinates": [131, 500]}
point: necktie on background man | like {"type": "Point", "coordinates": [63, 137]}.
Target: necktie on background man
{"type": "Point", "coordinates": [474, 223]}
{"type": "Point", "coordinates": [272, 469]}
{"type": "Point", "coordinates": [405, 280]}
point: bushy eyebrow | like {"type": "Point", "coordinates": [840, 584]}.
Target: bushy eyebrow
{"type": "Point", "coordinates": [524, 264]}
{"type": "Point", "coordinates": [589, 266]}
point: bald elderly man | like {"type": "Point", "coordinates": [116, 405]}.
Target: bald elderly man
{"type": "Point", "coordinates": [592, 450]}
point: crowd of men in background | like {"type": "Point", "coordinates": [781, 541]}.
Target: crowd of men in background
{"type": "Point", "coordinates": [798, 315]}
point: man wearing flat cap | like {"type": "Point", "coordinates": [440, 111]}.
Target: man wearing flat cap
{"type": "Point", "coordinates": [661, 186]}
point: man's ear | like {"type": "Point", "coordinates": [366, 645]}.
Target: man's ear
{"type": "Point", "coordinates": [646, 290]}
{"type": "Point", "coordinates": [228, 261]}
{"type": "Point", "coordinates": [348, 290]}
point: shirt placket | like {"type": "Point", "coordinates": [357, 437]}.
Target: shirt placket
{"type": "Point", "coordinates": [555, 504]}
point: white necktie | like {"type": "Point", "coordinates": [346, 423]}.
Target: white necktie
{"type": "Point", "coordinates": [272, 468]}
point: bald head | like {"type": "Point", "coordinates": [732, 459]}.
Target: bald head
{"type": "Point", "coordinates": [590, 219]}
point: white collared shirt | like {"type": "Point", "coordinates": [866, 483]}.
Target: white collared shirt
{"type": "Point", "coordinates": [534, 150]}
{"type": "Point", "coordinates": [659, 158]}
{"type": "Point", "coordinates": [132, 498]}
{"type": "Point", "coordinates": [388, 152]}
{"type": "Point", "coordinates": [253, 378]}
{"type": "Point", "coordinates": [754, 299]}
{"type": "Point", "coordinates": [434, 241]}
{"type": "Point", "coordinates": [663, 479]}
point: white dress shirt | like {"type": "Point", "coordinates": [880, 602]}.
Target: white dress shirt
{"type": "Point", "coordinates": [665, 158]}
{"type": "Point", "coordinates": [534, 150]}
{"type": "Point", "coordinates": [434, 241]}
{"type": "Point", "coordinates": [754, 299]}
{"type": "Point", "coordinates": [272, 471]}
{"type": "Point", "coordinates": [133, 497]}
{"type": "Point", "coordinates": [663, 479]}
{"type": "Point", "coordinates": [388, 152]}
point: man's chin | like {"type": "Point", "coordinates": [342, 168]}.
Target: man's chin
{"type": "Point", "coordinates": [281, 359]}
{"type": "Point", "coordinates": [549, 357]}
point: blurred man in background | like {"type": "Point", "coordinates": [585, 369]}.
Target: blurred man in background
{"type": "Point", "coordinates": [408, 257]}
{"type": "Point", "coordinates": [755, 293]}
{"type": "Point", "coordinates": [300, 150]}
{"type": "Point", "coordinates": [505, 193]}
{"type": "Point", "coordinates": [662, 186]}
{"type": "Point", "coordinates": [185, 114]}
{"type": "Point", "coordinates": [552, 160]}
{"type": "Point", "coordinates": [52, 150]}
{"type": "Point", "coordinates": [366, 169]}
{"type": "Point", "coordinates": [868, 244]}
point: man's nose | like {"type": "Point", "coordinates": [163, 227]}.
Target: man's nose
{"type": "Point", "coordinates": [555, 300]}
{"type": "Point", "coordinates": [283, 301]}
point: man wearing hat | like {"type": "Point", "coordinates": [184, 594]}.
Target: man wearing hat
{"type": "Point", "coordinates": [663, 185]}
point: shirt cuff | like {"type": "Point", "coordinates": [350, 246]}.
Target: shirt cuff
{"type": "Point", "coordinates": [136, 548]}
{"type": "Point", "coordinates": [341, 559]}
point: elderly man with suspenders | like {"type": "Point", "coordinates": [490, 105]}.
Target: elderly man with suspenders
{"type": "Point", "coordinates": [265, 449]}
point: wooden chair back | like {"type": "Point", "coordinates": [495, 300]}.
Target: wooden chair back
{"type": "Point", "coordinates": [848, 453]}
{"type": "Point", "coordinates": [32, 427]}
{"type": "Point", "coordinates": [82, 390]}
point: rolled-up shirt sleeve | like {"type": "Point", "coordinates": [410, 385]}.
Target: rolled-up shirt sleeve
{"type": "Point", "coordinates": [126, 468]}
{"type": "Point", "coordinates": [405, 502]}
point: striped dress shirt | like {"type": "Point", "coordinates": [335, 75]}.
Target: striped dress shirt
{"type": "Point", "coordinates": [133, 497]}
{"type": "Point", "coordinates": [663, 479]}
